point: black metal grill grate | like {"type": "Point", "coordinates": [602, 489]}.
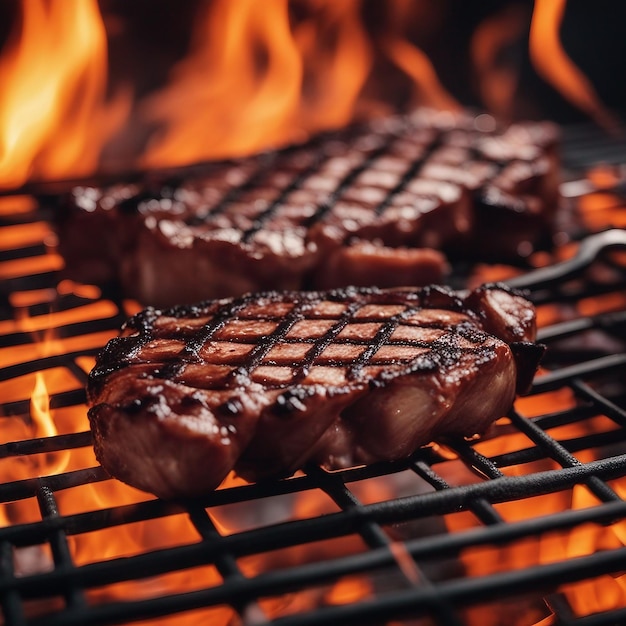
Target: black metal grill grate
{"type": "Point", "coordinates": [450, 536]}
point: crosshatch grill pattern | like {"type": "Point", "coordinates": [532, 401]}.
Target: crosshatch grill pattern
{"type": "Point", "coordinates": [356, 175]}
{"type": "Point", "coordinates": [282, 338]}
{"type": "Point", "coordinates": [392, 541]}
{"type": "Point", "coordinates": [313, 216]}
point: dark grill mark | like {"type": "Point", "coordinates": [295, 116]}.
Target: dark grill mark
{"type": "Point", "coordinates": [381, 338]}
{"type": "Point", "coordinates": [234, 192]}
{"type": "Point", "coordinates": [325, 340]}
{"type": "Point", "coordinates": [302, 307]}
{"type": "Point", "coordinates": [261, 349]}
{"type": "Point", "coordinates": [266, 215]}
{"type": "Point", "coordinates": [330, 201]}
{"type": "Point", "coordinates": [410, 174]}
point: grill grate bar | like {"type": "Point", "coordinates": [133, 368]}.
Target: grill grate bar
{"type": "Point", "coordinates": [559, 453]}
{"type": "Point", "coordinates": [611, 322]}
{"type": "Point", "coordinates": [331, 525]}
{"type": "Point", "coordinates": [464, 591]}
{"type": "Point", "coordinates": [10, 599]}
{"type": "Point", "coordinates": [608, 618]}
{"type": "Point", "coordinates": [411, 602]}
{"type": "Point", "coordinates": [528, 455]}
{"type": "Point", "coordinates": [587, 144]}
{"type": "Point", "coordinates": [26, 488]}
{"type": "Point", "coordinates": [45, 444]}
{"type": "Point", "coordinates": [45, 363]}
{"type": "Point", "coordinates": [556, 379]}
{"type": "Point", "coordinates": [480, 507]}
{"type": "Point", "coordinates": [566, 416]}
{"type": "Point", "coordinates": [22, 253]}
{"type": "Point", "coordinates": [589, 250]}
{"type": "Point", "coordinates": [61, 554]}
{"type": "Point", "coordinates": [69, 330]}
{"type": "Point", "coordinates": [105, 517]}
{"type": "Point", "coordinates": [371, 532]}
{"type": "Point", "coordinates": [57, 401]}
{"type": "Point", "coordinates": [375, 537]}
{"type": "Point", "coordinates": [479, 463]}
{"type": "Point", "coordinates": [608, 408]}
{"type": "Point", "coordinates": [225, 562]}
{"type": "Point", "coordinates": [435, 545]}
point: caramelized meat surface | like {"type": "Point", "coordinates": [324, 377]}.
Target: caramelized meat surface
{"type": "Point", "coordinates": [266, 383]}
{"type": "Point", "coordinates": [393, 200]}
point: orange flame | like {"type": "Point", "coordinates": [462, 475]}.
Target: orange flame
{"type": "Point", "coordinates": [45, 421]}
{"type": "Point", "coordinates": [258, 75]}
{"type": "Point", "coordinates": [221, 94]}
{"type": "Point", "coordinates": [53, 114]}
{"type": "Point", "coordinates": [497, 80]}
{"type": "Point", "coordinates": [44, 426]}
{"type": "Point", "coordinates": [256, 80]}
{"type": "Point", "coordinates": [241, 88]}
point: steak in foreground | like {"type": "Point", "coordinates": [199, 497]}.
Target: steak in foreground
{"type": "Point", "coordinates": [266, 383]}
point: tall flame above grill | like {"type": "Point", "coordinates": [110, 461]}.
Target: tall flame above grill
{"type": "Point", "coordinates": [240, 89]}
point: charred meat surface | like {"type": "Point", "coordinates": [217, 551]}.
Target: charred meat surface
{"type": "Point", "coordinates": [401, 194]}
{"type": "Point", "coordinates": [266, 383]}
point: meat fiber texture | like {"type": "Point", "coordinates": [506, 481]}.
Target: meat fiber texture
{"type": "Point", "coordinates": [267, 383]}
{"type": "Point", "coordinates": [387, 203]}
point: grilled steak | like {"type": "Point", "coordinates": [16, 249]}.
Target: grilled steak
{"type": "Point", "coordinates": [265, 383]}
{"type": "Point", "coordinates": [394, 196]}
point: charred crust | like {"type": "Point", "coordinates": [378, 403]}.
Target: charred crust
{"type": "Point", "coordinates": [291, 401]}
{"type": "Point", "coordinates": [231, 408]}
{"type": "Point", "coordinates": [471, 333]}
{"type": "Point", "coordinates": [500, 286]}
{"type": "Point", "coordinates": [144, 327]}
{"type": "Point", "coordinates": [169, 371]}
{"type": "Point", "coordinates": [441, 297]}
{"type": "Point", "coordinates": [527, 358]}
{"type": "Point", "coordinates": [137, 405]}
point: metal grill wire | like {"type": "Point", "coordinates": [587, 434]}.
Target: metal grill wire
{"type": "Point", "coordinates": [388, 530]}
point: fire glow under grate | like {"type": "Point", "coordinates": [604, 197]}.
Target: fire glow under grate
{"type": "Point", "coordinates": [524, 526]}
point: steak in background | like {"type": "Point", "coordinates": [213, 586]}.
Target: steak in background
{"type": "Point", "coordinates": [386, 203]}
{"type": "Point", "coordinates": [266, 383]}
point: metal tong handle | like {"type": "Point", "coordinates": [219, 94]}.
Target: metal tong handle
{"type": "Point", "coordinates": [590, 248]}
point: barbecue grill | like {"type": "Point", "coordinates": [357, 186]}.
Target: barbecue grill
{"type": "Point", "coordinates": [511, 528]}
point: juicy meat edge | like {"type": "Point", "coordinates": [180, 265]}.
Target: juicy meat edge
{"type": "Point", "coordinates": [390, 423]}
{"type": "Point", "coordinates": [173, 447]}
{"type": "Point", "coordinates": [387, 421]}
